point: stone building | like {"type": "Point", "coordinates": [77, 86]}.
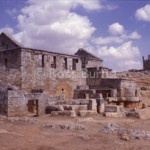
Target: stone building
{"type": "Point", "coordinates": [146, 63]}
{"type": "Point", "coordinates": [34, 78]}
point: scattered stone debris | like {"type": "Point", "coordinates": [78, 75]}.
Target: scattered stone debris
{"type": "Point", "coordinates": [23, 119]}
{"type": "Point", "coordinates": [85, 137]}
{"type": "Point", "coordinates": [125, 136]}
{"type": "Point", "coordinates": [69, 126]}
{"type": "Point", "coordinates": [83, 113]}
{"type": "Point", "coordinates": [124, 133]}
{"type": "Point", "coordinates": [111, 128]}
{"type": "Point", "coordinates": [87, 120]}
{"type": "Point", "coordinates": [68, 113]}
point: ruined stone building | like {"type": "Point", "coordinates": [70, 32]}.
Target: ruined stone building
{"type": "Point", "coordinates": [146, 63]}
{"type": "Point", "coordinates": [37, 77]}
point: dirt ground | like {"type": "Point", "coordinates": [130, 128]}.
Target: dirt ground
{"type": "Point", "coordinates": [23, 134]}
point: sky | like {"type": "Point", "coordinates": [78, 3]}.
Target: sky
{"type": "Point", "coordinates": [116, 31]}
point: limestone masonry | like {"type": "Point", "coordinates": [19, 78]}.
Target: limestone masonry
{"type": "Point", "coordinates": [33, 80]}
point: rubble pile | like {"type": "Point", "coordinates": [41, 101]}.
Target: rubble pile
{"type": "Point", "coordinates": [111, 128]}
{"type": "Point", "coordinates": [66, 126]}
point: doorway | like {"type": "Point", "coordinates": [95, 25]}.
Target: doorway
{"type": "Point", "coordinates": [33, 107]}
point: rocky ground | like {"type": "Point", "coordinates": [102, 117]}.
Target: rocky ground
{"type": "Point", "coordinates": [63, 133]}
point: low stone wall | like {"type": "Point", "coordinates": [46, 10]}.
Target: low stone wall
{"type": "Point", "coordinates": [15, 102]}
{"type": "Point", "coordinates": [80, 107]}
{"type": "Point", "coordinates": [17, 105]}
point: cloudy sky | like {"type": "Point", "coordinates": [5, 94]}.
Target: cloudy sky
{"type": "Point", "coordinates": [117, 31]}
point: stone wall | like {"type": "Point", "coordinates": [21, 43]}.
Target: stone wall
{"type": "Point", "coordinates": [11, 76]}
{"type": "Point", "coordinates": [94, 77]}
{"type": "Point", "coordinates": [38, 72]}
{"type": "Point", "coordinates": [10, 67]}
{"type": "Point", "coordinates": [18, 102]}
{"type": "Point", "coordinates": [115, 89]}
{"type": "Point", "coordinates": [126, 88]}
{"type": "Point", "coordinates": [88, 60]}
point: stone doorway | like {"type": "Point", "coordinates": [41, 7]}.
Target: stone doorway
{"type": "Point", "coordinates": [33, 107]}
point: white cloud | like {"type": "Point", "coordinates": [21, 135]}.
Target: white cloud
{"type": "Point", "coordinates": [107, 40]}
{"type": "Point", "coordinates": [134, 35]}
{"type": "Point", "coordinates": [125, 51]}
{"type": "Point", "coordinates": [89, 5]}
{"type": "Point", "coordinates": [111, 7]}
{"type": "Point", "coordinates": [116, 28]}
{"type": "Point", "coordinates": [120, 35]}
{"type": "Point", "coordinates": [130, 64]}
{"type": "Point", "coordinates": [124, 56]}
{"type": "Point", "coordinates": [54, 26]}
{"type": "Point", "coordinates": [143, 13]}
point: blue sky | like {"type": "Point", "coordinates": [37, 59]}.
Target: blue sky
{"type": "Point", "coordinates": [115, 30]}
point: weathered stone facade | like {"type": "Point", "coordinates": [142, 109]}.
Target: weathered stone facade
{"type": "Point", "coordinates": [34, 78]}
{"type": "Point", "coordinates": [146, 63]}
{"type": "Point", "coordinates": [37, 72]}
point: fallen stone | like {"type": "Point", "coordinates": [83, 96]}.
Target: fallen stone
{"type": "Point", "coordinates": [144, 105]}
{"type": "Point", "coordinates": [110, 108]}
{"type": "Point", "coordinates": [125, 136]}
{"type": "Point", "coordinates": [114, 111]}
{"type": "Point", "coordinates": [76, 108]}
{"type": "Point", "coordinates": [114, 115]}
{"type": "Point", "coordinates": [67, 126]}
{"type": "Point", "coordinates": [23, 119]}
{"type": "Point", "coordinates": [49, 109]}
{"type": "Point", "coordinates": [68, 113]}
{"type": "Point", "coordinates": [73, 114]}
{"type": "Point", "coordinates": [144, 113]}
{"type": "Point", "coordinates": [83, 113]}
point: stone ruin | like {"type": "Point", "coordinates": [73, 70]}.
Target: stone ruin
{"type": "Point", "coordinates": [35, 82]}
{"type": "Point", "coordinates": [146, 63]}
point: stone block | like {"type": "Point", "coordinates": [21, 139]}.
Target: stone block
{"type": "Point", "coordinates": [102, 108]}
{"type": "Point", "coordinates": [49, 109]}
{"type": "Point", "coordinates": [111, 108]}
{"type": "Point", "coordinates": [114, 111]}
{"type": "Point", "coordinates": [64, 113]}
{"type": "Point", "coordinates": [92, 104]}
{"type": "Point", "coordinates": [144, 113]}
{"type": "Point", "coordinates": [113, 114]}
{"type": "Point", "coordinates": [83, 113]}
{"type": "Point", "coordinates": [78, 107]}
